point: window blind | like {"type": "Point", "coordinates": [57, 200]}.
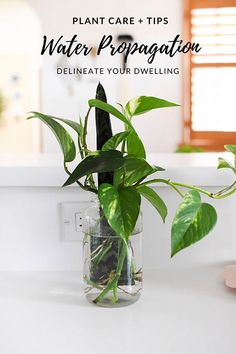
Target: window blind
{"type": "Point", "coordinates": [213, 69]}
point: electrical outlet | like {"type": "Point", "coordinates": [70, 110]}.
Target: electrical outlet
{"type": "Point", "coordinates": [72, 220]}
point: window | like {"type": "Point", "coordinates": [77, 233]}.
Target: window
{"type": "Point", "coordinates": [210, 94]}
{"type": "Point", "coordinates": [20, 38]}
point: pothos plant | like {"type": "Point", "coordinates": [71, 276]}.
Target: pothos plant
{"type": "Point", "coordinates": [124, 175]}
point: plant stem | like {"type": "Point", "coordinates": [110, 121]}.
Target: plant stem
{"type": "Point", "coordinates": [102, 253]}
{"type": "Point", "coordinates": [113, 282]}
{"type": "Point", "coordinates": [224, 195]}
{"type": "Point", "coordinates": [90, 179]}
{"type": "Point", "coordinates": [200, 190]}
{"type": "Point", "coordinates": [86, 188]}
{"type": "Point", "coordinates": [174, 185]}
{"type": "Point", "coordinates": [83, 138]}
{"type": "Point", "coordinates": [80, 149]}
{"type": "Point", "coordinates": [84, 147]}
{"type": "Point", "coordinates": [123, 146]}
{"type": "Point", "coordinates": [115, 296]}
{"type": "Point", "coordinates": [165, 181]}
{"type": "Point", "coordinates": [209, 194]}
{"type": "Point", "coordinates": [224, 190]}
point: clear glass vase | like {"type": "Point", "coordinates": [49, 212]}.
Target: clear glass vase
{"type": "Point", "coordinates": [112, 267]}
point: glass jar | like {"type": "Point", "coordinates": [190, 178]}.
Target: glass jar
{"type": "Point", "coordinates": [112, 266]}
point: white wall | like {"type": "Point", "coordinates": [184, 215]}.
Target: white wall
{"type": "Point", "coordinates": [163, 131]}
{"type": "Point", "coordinates": [30, 233]}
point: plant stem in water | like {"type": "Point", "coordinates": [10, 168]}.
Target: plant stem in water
{"type": "Point", "coordinates": [112, 285]}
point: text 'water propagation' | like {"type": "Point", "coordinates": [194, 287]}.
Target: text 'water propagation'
{"type": "Point", "coordinates": [107, 43]}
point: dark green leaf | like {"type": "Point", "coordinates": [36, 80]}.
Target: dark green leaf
{"type": "Point", "coordinates": [135, 168]}
{"type": "Point", "coordinates": [193, 221]}
{"type": "Point", "coordinates": [101, 161]}
{"type": "Point", "coordinates": [142, 104]}
{"type": "Point", "coordinates": [121, 208]}
{"type": "Point", "coordinates": [135, 145]}
{"type": "Point", "coordinates": [222, 163]}
{"type": "Point", "coordinates": [115, 141]}
{"type": "Point", "coordinates": [231, 148]}
{"type": "Point", "coordinates": [109, 109]}
{"type": "Point", "coordinates": [155, 200]}
{"type": "Point", "coordinates": [64, 139]}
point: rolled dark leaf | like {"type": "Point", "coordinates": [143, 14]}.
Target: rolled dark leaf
{"type": "Point", "coordinates": [103, 270]}
{"type": "Point", "coordinates": [104, 131]}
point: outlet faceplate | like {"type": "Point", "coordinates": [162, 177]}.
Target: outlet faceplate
{"type": "Point", "coordinates": [71, 220]}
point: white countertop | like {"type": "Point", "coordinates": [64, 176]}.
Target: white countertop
{"type": "Point", "coordinates": [184, 311]}
{"type": "Point", "coordinates": [46, 170]}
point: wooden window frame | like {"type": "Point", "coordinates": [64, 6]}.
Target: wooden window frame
{"type": "Point", "coordinates": [209, 140]}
